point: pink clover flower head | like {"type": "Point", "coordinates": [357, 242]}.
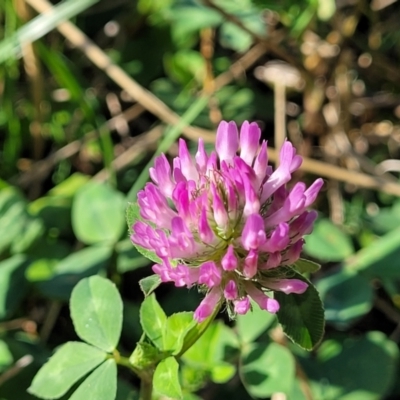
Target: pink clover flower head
{"type": "Point", "coordinates": [225, 222]}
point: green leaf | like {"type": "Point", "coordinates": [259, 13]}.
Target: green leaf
{"type": "Point", "coordinates": [193, 17]}
{"type": "Point", "coordinates": [346, 297]}
{"type": "Point", "coordinates": [234, 37]}
{"type": "Point", "coordinates": [69, 271]}
{"type": "Point", "coordinates": [175, 331]}
{"type": "Point", "coordinates": [18, 229]}
{"type": "Point", "coordinates": [6, 358]}
{"type": "Point", "coordinates": [216, 345]}
{"type": "Point", "coordinates": [356, 368]}
{"type": "Point", "coordinates": [153, 320]}
{"type": "Point", "coordinates": [32, 230]}
{"type": "Point", "coordinates": [185, 65]}
{"type": "Point", "coordinates": [70, 186]}
{"type": "Point", "coordinates": [13, 284]}
{"type": "Point", "coordinates": [265, 370]}
{"type": "Point", "coordinates": [70, 363]}
{"type": "Point", "coordinates": [144, 355]}
{"type": "Point", "coordinates": [193, 378]}
{"type": "Point", "coordinates": [328, 242]}
{"type": "Point", "coordinates": [101, 384]}
{"type": "Point", "coordinates": [380, 259]}
{"type": "Point", "coordinates": [306, 266]}
{"type": "Point", "coordinates": [97, 213]}
{"type": "Point", "coordinates": [129, 258]}
{"type": "Point", "coordinates": [195, 340]}
{"type": "Point", "coordinates": [251, 325]}
{"type": "Point", "coordinates": [96, 311]}
{"type": "Point", "coordinates": [132, 216]}
{"type": "Point", "coordinates": [55, 212]}
{"type": "Point", "coordinates": [302, 316]}
{"type": "Point", "coordinates": [166, 379]}
{"type": "Point", "coordinates": [222, 372]}
{"type": "Point", "coordinates": [150, 284]}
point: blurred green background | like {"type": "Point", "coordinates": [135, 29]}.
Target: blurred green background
{"type": "Point", "coordinates": [85, 105]}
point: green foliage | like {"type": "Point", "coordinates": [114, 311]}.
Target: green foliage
{"type": "Point", "coordinates": [267, 369]}
{"type": "Point", "coordinates": [133, 215]}
{"type": "Point", "coordinates": [175, 330]}
{"type": "Point", "coordinates": [306, 266]}
{"type": "Point", "coordinates": [70, 363]}
{"type": "Point", "coordinates": [128, 258]}
{"type": "Point", "coordinates": [69, 271]}
{"type": "Point", "coordinates": [302, 316]}
{"type": "Point", "coordinates": [13, 284]}
{"type": "Point", "coordinates": [18, 229]}
{"type": "Point", "coordinates": [209, 355]}
{"type": "Point", "coordinates": [101, 384]}
{"type": "Point", "coordinates": [6, 358]}
{"type": "Point", "coordinates": [153, 320]}
{"type": "Point", "coordinates": [167, 333]}
{"type": "Point", "coordinates": [97, 214]}
{"type": "Point", "coordinates": [96, 311]}
{"type": "Point", "coordinates": [328, 242]}
{"type": "Point", "coordinates": [41, 25]}
{"type": "Point", "coordinates": [344, 369]}
{"type": "Point", "coordinates": [346, 296]}
{"type": "Point", "coordinates": [251, 325]}
{"type": "Point", "coordinates": [60, 228]}
{"type": "Point", "coordinates": [166, 379]}
{"type": "Point", "coordinates": [149, 284]}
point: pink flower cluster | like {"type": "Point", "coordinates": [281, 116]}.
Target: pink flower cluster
{"type": "Point", "coordinates": [226, 222]}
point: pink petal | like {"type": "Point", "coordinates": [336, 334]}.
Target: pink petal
{"type": "Point", "coordinates": [207, 306]}
{"type": "Point", "coordinates": [249, 141]}
{"type": "Point", "coordinates": [229, 261]}
{"type": "Point", "coordinates": [242, 306]}
{"type": "Point", "coordinates": [253, 234]}
{"type": "Point", "coordinates": [227, 141]}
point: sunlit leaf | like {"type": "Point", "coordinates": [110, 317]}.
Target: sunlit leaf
{"type": "Point", "coordinates": [101, 384]}
{"type": "Point", "coordinates": [166, 379]}
{"type": "Point", "coordinates": [177, 326]}
{"type": "Point", "coordinates": [69, 271]}
{"type": "Point", "coordinates": [97, 213]}
{"type": "Point", "coordinates": [302, 316]}
{"type": "Point", "coordinates": [251, 325]}
{"type": "Point", "coordinates": [153, 320]}
{"type": "Point", "coordinates": [328, 242]}
{"type": "Point", "coordinates": [133, 215]}
{"type": "Point", "coordinates": [267, 369]}
{"type": "Point", "coordinates": [150, 284]}
{"type": "Point", "coordinates": [96, 311]}
{"type": "Point", "coordinates": [70, 363]}
{"type": "Point", "coordinates": [13, 284]}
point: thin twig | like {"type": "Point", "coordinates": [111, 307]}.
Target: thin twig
{"type": "Point", "coordinates": [158, 108]}
{"type": "Point", "coordinates": [40, 169]}
{"type": "Point", "coordinates": [16, 368]}
{"type": "Point", "coordinates": [142, 143]}
{"type": "Point", "coordinates": [145, 98]}
{"type": "Point", "coordinates": [325, 170]}
{"type": "Point", "coordinates": [99, 58]}
{"type": "Point", "coordinates": [269, 45]}
{"type": "Point", "coordinates": [280, 116]}
{"type": "Point", "coordinates": [391, 313]}
{"type": "Point", "coordinates": [51, 318]}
